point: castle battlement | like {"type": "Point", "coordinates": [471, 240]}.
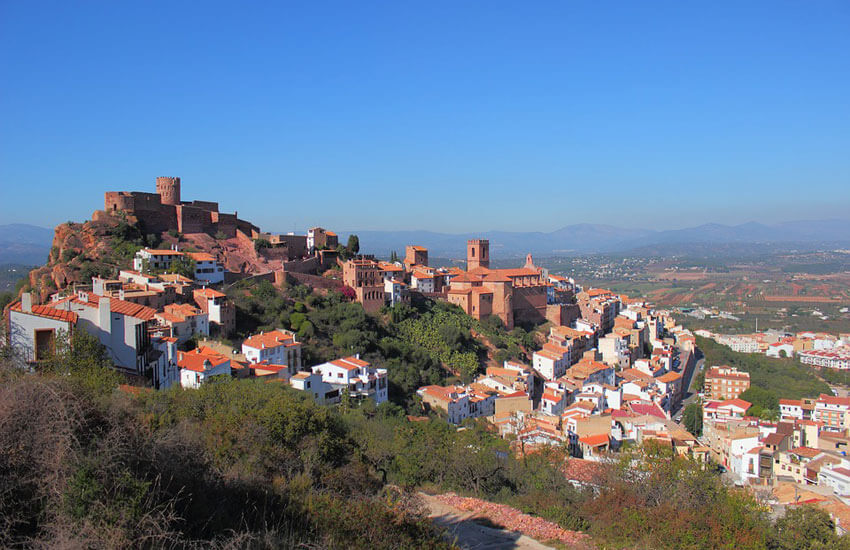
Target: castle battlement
{"type": "Point", "coordinates": [164, 211]}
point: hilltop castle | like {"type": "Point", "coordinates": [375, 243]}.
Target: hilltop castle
{"type": "Point", "coordinates": [163, 211]}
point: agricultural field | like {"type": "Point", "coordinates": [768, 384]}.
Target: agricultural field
{"type": "Point", "coordinates": [795, 291]}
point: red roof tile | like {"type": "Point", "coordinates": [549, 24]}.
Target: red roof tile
{"type": "Point", "coordinates": [47, 312]}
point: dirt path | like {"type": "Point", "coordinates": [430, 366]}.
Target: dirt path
{"type": "Point", "coordinates": [468, 534]}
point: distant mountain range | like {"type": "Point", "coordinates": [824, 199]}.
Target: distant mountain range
{"type": "Point", "coordinates": [594, 238]}
{"type": "Point", "coordinates": [21, 243]}
{"type": "Point", "coordinates": [29, 244]}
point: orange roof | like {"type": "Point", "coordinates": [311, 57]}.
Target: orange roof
{"type": "Point", "coordinates": [174, 278]}
{"type": "Point", "coordinates": [481, 290]}
{"type": "Point", "coordinates": [551, 394]}
{"type": "Point", "coordinates": [518, 272]}
{"type": "Point", "coordinates": [832, 400]}
{"type": "Point", "coordinates": [598, 292]}
{"type": "Point", "coordinates": [267, 340]}
{"type": "Point", "coordinates": [47, 312]}
{"type": "Point", "coordinates": [121, 307]}
{"type": "Point", "coordinates": [194, 360]}
{"type": "Point", "coordinates": [349, 363]}
{"type": "Point", "coordinates": [209, 293]}
{"type": "Point", "coordinates": [807, 452]}
{"type": "Point", "coordinates": [466, 278]}
{"type": "Point", "coordinates": [595, 440]}
{"type": "Point", "coordinates": [669, 377]}
{"type": "Point", "coordinates": [736, 402]}
{"type": "Point", "coordinates": [201, 256]}
{"type": "Point", "coordinates": [791, 402]}
{"type": "Point", "coordinates": [548, 355]}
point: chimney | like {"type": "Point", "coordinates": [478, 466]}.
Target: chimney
{"type": "Point", "coordinates": [207, 364]}
{"type": "Point", "coordinates": [104, 312]}
{"type": "Point", "coordinates": [26, 302]}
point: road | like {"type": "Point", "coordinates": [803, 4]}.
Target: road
{"type": "Point", "coordinates": [687, 380]}
{"type": "Point", "coordinates": [465, 529]}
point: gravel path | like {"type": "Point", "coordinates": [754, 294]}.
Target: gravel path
{"type": "Point", "coordinates": [470, 535]}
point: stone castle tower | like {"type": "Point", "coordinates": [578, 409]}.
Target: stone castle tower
{"type": "Point", "coordinates": [168, 189]}
{"type": "Point", "coordinates": [477, 253]}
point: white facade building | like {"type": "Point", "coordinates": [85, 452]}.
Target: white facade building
{"type": "Point", "coordinates": [35, 329]}
{"type": "Point", "coordinates": [277, 347]}
{"type": "Point", "coordinates": [201, 364]}
{"type": "Point", "coordinates": [355, 376]}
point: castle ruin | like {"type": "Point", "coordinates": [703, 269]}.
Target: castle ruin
{"type": "Point", "coordinates": [164, 211]}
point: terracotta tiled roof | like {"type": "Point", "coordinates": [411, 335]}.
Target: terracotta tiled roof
{"type": "Point", "coordinates": [832, 400]}
{"type": "Point", "coordinates": [48, 312]}
{"type": "Point", "coordinates": [121, 307]}
{"type": "Point", "coordinates": [209, 293]}
{"type": "Point", "coordinates": [595, 440]}
{"type": "Point", "coordinates": [201, 256]}
{"type": "Point", "coordinates": [349, 363]}
{"type": "Point", "coordinates": [194, 360]}
{"type": "Point", "coordinates": [271, 339]}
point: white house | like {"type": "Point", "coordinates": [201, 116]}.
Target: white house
{"type": "Point", "coordinates": [422, 281]}
{"type": "Point", "coordinates": [155, 259]}
{"type": "Point", "coordinates": [122, 327]}
{"type": "Point", "coordinates": [208, 270]}
{"type": "Point", "coordinates": [554, 399]}
{"type": "Point", "coordinates": [454, 401]}
{"type": "Point", "coordinates": [34, 329]}
{"type": "Point", "coordinates": [277, 347]}
{"type": "Point", "coordinates": [165, 371]}
{"type": "Point", "coordinates": [184, 321]}
{"type": "Point", "coordinates": [780, 349]}
{"type": "Point", "coordinates": [549, 364]}
{"type": "Point", "coordinates": [836, 478]}
{"type": "Point", "coordinates": [312, 383]}
{"type": "Point", "coordinates": [744, 459]}
{"type": "Point", "coordinates": [201, 364]}
{"type": "Point", "coordinates": [791, 408]}
{"type": "Point", "coordinates": [357, 377]}
{"type": "Point", "coordinates": [723, 411]}
{"type": "Point", "coordinates": [395, 292]}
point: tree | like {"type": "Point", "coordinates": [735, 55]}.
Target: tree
{"type": "Point", "coordinates": [805, 528]}
{"type": "Point", "coordinates": [760, 397]}
{"type": "Point", "coordinates": [260, 244]}
{"type": "Point", "coordinates": [353, 245]}
{"type": "Point", "coordinates": [393, 256]}
{"type": "Point", "coordinates": [692, 418]}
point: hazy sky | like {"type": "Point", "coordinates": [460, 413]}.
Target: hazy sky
{"type": "Point", "coordinates": [450, 116]}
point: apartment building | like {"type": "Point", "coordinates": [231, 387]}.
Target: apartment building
{"type": "Point", "coordinates": [722, 383]}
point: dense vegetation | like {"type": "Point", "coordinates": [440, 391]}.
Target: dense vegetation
{"type": "Point", "coordinates": [83, 464]}
{"type": "Point", "coordinates": [779, 378]}
{"type": "Point", "coordinates": [419, 345]}
{"type": "Point", "coordinates": [253, 464]}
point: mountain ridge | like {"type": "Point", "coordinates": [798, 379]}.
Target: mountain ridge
{"type": "Point", "coordinates": [24, 243]}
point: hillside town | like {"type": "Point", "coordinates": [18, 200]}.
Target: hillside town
{"type": "Point", "coordinates": [611, 371]}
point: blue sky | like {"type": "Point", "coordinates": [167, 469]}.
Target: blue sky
{"type": "Point", "coordinates": [449, 116]}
